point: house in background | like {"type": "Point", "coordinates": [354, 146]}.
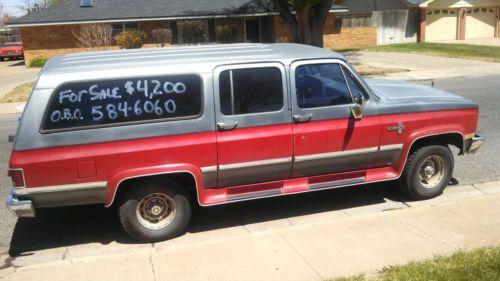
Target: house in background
{"type": "Point", "coordinates": [350, 24]}
{"type": "Point", "coordinates": [458, 19]}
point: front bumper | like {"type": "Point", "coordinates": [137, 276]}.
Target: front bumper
{"type": "Point", "coordinates": [11, 55]}
{"type": "Point", "coordinates": [475, 143]}
{"type": "Point", "coordinates": [22, 208]}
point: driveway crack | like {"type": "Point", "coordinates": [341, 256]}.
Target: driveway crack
{"type": "Point", "coordinates": [152, 265]}
{"type": "Point", "coordinates": [301, 257]}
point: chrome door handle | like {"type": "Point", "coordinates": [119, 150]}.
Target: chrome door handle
{"type": "Point", "coordinates": [302, 118]}
{"type": "Point", "coordinates": [226, 126]}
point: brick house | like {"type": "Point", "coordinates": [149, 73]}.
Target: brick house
{"type": "Point", "coordinates": [51, 31]}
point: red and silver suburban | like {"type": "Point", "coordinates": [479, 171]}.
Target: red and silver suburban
{"type": "Point", "coordinates": [154, 131]}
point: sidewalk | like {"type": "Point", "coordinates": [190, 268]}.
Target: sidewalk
{"type": "Point", "coordinates": [420, 67]}
{"type": "Point", "coordinates": [309, 247]}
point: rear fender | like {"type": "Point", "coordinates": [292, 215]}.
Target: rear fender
{"type": "Point", "coordinates": [121, 176]}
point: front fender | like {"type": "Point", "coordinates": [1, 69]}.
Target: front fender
{"type": "Point", "coordinates": [121, 176]}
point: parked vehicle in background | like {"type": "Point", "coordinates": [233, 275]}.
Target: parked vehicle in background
{"type": "Point", "coordinates": [156, 131]}
{"type": "Point", "coordinates": [11, 50]}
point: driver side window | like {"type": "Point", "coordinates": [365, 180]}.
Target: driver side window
{"type": "Point", "coordinates": [319, 85]}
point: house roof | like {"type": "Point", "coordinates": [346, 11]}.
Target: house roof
{"type": "Point", "coordinates": [70, 12]}
{"type": "Point", "coordinates": [369, 6]}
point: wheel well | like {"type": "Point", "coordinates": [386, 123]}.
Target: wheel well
{"type": "Point", "coordinates": [454, 139]}
{"type": "Point", "coordinates": [186, 180]}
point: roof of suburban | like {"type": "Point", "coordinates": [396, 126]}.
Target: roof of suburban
{"type": "Point", "coordinates": [196, 58]}
{"type": "Point", "coordinates": [119, 10]}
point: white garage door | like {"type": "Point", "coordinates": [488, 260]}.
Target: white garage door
{"type": "Point", "coordinates": [441, 24]}
{"type": "Point", "coordinates": [480, 23]}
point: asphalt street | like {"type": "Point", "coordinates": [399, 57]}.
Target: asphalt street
{"type": "Point", "coordinates": [65, 226]}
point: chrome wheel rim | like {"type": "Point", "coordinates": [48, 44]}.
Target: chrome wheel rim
{"type": "Point", "coordinates": [431, 171]}
{"type": "Point", "coordinates": [156, 211]}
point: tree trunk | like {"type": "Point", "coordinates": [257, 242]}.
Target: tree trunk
{"type": "Point", "coordinates": [304, 25]}
{"type": "Point", "coordinates": [318, 21]}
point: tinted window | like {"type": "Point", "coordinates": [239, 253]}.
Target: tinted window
{"type": "Point", "coordinates": [321, 85]}
{"type": "Point", "coordinates": [110, 102]}
{"type": "Point", "coordinates": [354, 85]}
{"type": "Point", "coordinates": [251, 90]}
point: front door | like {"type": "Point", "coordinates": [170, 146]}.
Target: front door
{"type": "Point", "coordinates": [327, 138]}
{"type": "Point", "coordinates": [254, 130]}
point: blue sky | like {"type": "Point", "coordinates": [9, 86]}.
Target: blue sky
{"type": "Point", "coordinates": [11, 6]}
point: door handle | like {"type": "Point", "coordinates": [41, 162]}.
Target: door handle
{"type": "Point", "coordinates": [226, 126]}
{"type": "Point", "coordinates": [302, 118]}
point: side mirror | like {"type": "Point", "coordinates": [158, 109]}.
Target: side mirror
{"type": "Point", "coordinates": [358, 107]}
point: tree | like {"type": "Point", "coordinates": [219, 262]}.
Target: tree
{"type": "Point", "coordinates": [162, 36]}
{"type": "Point", "coordinates": [94, 35]}
{"type": "Point", "coordinates": [31, 6]}
{"type": "Point", "coordinates": [305, 19]}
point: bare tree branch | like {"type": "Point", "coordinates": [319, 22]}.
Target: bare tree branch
{"type": "Point", "coordinates": [94, 35]}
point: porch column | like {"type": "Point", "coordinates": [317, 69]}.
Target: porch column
{"type": "Point", "coordinates": [423, 24]}
{"type": "Point", "coordinates": [462, 18]}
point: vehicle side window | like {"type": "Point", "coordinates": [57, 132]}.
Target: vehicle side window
{"type": "Point", "coordinates": [354, 85]}
{"type": "Point", "coordinates": [250, 90]}
{"type": "Point", "coordinates": [320, 85]}
{"type": "Point", "coordinates": [105, 103]}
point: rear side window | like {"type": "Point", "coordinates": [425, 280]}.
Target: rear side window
{"type": "Point", "coordinates": [319, 85]}
{"type": "Point", "coordinates": [114, 102]}
{"type": "Point", "coordinates": [252, 90]}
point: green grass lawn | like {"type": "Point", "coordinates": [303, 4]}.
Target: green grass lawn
{"type": "Point", "coordinates": [18, 94]}
{"type": "Point", "coordinates": [482, 265]}
{"type": "Point", "coordinates": [463, 51]}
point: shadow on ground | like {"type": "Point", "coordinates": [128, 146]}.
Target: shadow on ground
{"type": "Point", "coordinates": [19, 63]}
{"type": "Point", "coordinates": [58, 227]}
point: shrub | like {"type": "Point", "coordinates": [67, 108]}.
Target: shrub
{"type": "Point", "coordinates": [130, 39]}
{"type": "Point", "coordinates": [226, 33]}
{"type": "Point", "coordinates": [162, 36]}
{"type": "Point", "coordinates": [193, 31]}
{"type": "Point", "coordinates": [37, 62]}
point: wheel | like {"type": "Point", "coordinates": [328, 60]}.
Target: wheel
{"type": "Point", "coordinates": [427, 172]}
{"type": "Point", "coordinates": [152, 212]}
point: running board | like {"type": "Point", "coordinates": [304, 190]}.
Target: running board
{"type": "Point", "coordinates": [335, 184]}
{"type": "Point", "coordinates": [251, 195]}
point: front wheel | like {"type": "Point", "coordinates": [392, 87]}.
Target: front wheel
{"type": "Point", "coordinates": [153, 212]}
{"type": "Point", "coordinates": [427, 172]}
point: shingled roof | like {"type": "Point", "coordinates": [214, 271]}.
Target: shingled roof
{"type": "Point", "coordinates": [70, 11]}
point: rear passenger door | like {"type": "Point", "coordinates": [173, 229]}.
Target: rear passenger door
{"type": "Point", "coordinates": [327, 138]}
{"type": "Point", "coordinates": [254, 131]}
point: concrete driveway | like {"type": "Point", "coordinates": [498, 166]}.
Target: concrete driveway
{"type": "Point", "coordinates": [495, 41]}
{"type": "Point", "coordinates": [13, 73]}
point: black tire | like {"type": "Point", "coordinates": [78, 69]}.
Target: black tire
{"type": "Point", "coordinates": [130, 218]}
{"type": "Point", "coordinates": [412, 184]}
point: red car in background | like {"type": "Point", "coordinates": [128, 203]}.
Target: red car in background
{"type": "Point", "coordinates": [12, 50]}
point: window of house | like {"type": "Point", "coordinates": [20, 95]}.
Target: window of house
{"type": "Point", "coordinates": [124, 26]}
{"type": "Point", "coordinates": [175, 32]}
{"type": "Point", "coordinates": [211, 31]}
{"type": "Point", "coordinates": [319, 85]}
{"type": "Point", "coordinates": [106, 103]}
{"type": "Point", "coordinates": [251, 90]}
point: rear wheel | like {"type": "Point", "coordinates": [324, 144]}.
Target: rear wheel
{"type": "Point", "coordinates": [152, 212]}
{"type": "Point", "coordinates": [427, 172]}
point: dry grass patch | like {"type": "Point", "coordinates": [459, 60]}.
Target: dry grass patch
{"type": "Point", "coordinates": [18, 94]}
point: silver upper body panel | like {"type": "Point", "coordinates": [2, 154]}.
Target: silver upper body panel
{"type": "Point", "coordinates": [193, 59]}
{"type": "Point", "coordinates": [403, 97]}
